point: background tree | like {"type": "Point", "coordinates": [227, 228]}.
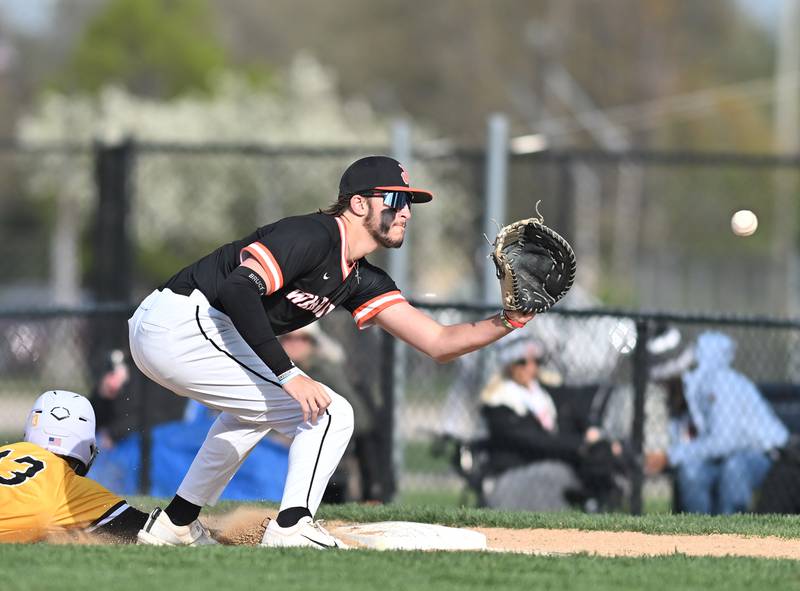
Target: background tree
{"type": "Point", "coordinates": [451, 62]}
{"type": "Point", "coordinates": [187, 204]}
{"type": "Point", "coordinates": [668, 76]}
{"type": "Point", "coordinates": [152, 48]}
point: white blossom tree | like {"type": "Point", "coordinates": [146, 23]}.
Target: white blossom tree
{"type": "Point", "coordinates": [188, 203]}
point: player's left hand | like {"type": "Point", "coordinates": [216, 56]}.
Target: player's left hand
{"type": "Point", "coordinates": [535, 265]}
{"type": "Point", "coordinates": [519, 316]}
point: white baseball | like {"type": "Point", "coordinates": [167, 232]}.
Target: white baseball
{"type": "Point", "coordinates": [744, 222]}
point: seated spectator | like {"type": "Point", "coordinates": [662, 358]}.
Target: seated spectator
{"type": "Point", "coordinates": [43, 488]}
{"type": "Point", "coordinates": [722, 432]}
{"type": "Point", "coordinates": [541, 466]}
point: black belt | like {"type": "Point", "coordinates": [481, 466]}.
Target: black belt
{"type": "Point", "coordinates": [184, 291]}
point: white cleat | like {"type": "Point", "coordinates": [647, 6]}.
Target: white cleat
{"type": "Point", "coordinates": [158, 530]}
{"type": "Point", "coordinates": [305, 533]}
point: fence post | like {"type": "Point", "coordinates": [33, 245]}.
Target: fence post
{"type": "Point", "coordinates": [386, 425]}
{"type": "Point", "coordinates": [141, 386]}
{"type": "Point", "coordinates": [111, 272]}
{"type": "Point", "coordinates": [399, 271]}
{"type": "Point", "coordinates": [495, 198]}
{"type": "Point", "coordinates": [110, 275]}
{"type": "Point", "coordinates": [640, 373]}
{"type": "Point", "coordinates": [112, 264]}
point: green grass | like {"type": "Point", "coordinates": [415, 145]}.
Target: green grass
{"type": "Point", "coordinates": [752, 525]}
{"type": "Point", "coordinates": [418, 456]}
{"type": "Point", "coordinates": [657, 504]}
{"type": "Point", "coordinates": [440, 498]}
{"type": "Point", "coordinates": [44, 567]}
{"type": "Point", "coordinates": [783, 526]}
{"type": "Point", "coordinates": [66, 568]}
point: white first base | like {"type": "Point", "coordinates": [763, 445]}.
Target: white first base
{"type": "Point", "coordinates": [408, 535]}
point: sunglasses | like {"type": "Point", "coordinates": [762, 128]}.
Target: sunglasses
{"type": "Point", "coordinates": [394, 199]}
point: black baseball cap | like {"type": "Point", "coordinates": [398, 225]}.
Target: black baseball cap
{"type": "Point", "coordinates": [379, 173]}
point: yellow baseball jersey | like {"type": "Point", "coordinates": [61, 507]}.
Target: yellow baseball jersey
{"type": "Point", "coordinates": [41, 494]}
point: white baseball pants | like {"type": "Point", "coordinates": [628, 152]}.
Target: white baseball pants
{"type": "Point", "coordinates": [189, 347]}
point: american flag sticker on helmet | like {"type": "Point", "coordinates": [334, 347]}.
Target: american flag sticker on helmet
{"type": "Point", "coordinates": [54, 440]}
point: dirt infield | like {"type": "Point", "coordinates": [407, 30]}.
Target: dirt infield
{"type": "Point", "coordinates": [245, 526]}
{"type": "Point", "coordinates": [571, 541]}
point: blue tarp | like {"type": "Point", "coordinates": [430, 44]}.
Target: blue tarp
{"type": "Point", "coordinates": [174, 445]}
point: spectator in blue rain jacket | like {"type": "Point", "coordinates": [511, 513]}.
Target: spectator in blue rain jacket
{"type": "Point", "coordinates": [720, 445]}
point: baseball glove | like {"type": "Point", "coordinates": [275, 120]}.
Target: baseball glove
{"type": "Point", "coordinates": [535, 265]}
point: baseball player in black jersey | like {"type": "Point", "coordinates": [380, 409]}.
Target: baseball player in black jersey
{"type": "Point", "coordinates": [209, 333]}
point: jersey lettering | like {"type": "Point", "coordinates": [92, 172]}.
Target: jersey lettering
{"type": "Point", "coordinates": [258, 282]}
{"type": "Point", "coordinates": [318, 305]}
{"type": "Point", "coordinates": [34, 467]}
{"type": "Point", "coordinates": [307, 273]}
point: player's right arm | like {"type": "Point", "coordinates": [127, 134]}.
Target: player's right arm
{"type": "Point", "coordinates": [378, 301]}
{"type": "Point", "coordinates": [440, 342]}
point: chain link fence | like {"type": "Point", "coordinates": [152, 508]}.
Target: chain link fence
{"type": "Point", "coordinates": [601, 368]}
{"type": "Point", "coordinates": [41, 350]}
{"type": "Point", "coordinates": [91, 228]}
{"type": "Point", "coordinates": [649, 229]}
{"type": "Point", "coordinates": [425, 425]}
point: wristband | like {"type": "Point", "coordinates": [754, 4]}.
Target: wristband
{"type": "Point", "coordinates": [289, 374]}
{"type": "Point", "coordinates": [505, 321]}
{"type": "Point", "coordinates": [509, 322]}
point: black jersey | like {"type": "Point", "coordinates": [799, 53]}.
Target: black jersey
{"type": "Point", "coordinates": [305, 261]}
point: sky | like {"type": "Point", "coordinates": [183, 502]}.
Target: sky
{"type": "Point", "coordinates": [28, 16]}
{"type": "Point", "coordinates": [765, 11]}
{"type": "Point", "coordinates": [34, 16]}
